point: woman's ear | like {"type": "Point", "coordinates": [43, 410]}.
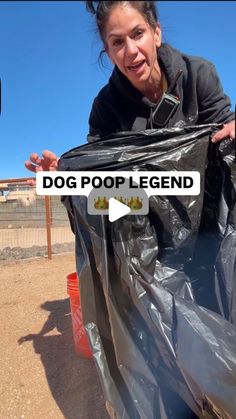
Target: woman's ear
{"type": "Point", "coordinates": [158, 35]}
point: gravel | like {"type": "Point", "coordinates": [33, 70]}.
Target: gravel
{"type": "Point", "coordinates": [17, 253]}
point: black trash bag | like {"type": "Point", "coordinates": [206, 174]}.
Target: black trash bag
{"type": "Point", "coordinates": [158, 291]}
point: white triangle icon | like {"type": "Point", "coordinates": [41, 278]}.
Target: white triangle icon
{"type": "Point", "coordinates": [117, 209]}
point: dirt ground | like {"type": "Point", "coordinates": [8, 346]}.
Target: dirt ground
{"type": "Point", "coordinates": [40, 374]}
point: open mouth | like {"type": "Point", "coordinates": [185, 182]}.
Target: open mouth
{"type": "Point", "coordinates": [136, 67]}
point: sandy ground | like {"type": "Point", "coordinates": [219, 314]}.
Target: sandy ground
{"type": "Point", "coordinates": [40, 374]}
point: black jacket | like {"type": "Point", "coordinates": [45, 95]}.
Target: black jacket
{"type": "Point", "coordinates": [121, 107]}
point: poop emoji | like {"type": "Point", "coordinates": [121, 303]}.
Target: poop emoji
{"type": "Point", "coordinates": [135, 203]}
{"type": "Point", "coordinates": [101, 203]}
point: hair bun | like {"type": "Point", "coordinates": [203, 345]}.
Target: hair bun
{"type": "Point", "coordinates": [92, 6]}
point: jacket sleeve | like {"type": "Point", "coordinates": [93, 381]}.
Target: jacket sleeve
{"type": "Point", "coordinates": [213, 104]}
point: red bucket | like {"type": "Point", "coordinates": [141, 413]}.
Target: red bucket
{"type": "Point", "coordinates": [81, 342]}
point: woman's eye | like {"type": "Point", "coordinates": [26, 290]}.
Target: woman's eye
{"type": "Point", "coordinates": [138, 33]}
{"type": "Point", "coordinates": [117, 42]}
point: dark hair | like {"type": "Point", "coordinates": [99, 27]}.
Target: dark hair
{"type": "Point", "coordinates": [102, 9]}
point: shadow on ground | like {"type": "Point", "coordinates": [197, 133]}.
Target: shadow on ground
{"type": "Point", "coordinates": [73, 381]}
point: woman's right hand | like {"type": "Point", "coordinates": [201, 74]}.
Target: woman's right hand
{"type": "Point", "coordinates": [48, 162]}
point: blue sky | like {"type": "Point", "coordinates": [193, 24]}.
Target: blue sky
{"type": "Point", "coordinates": [50, 71]}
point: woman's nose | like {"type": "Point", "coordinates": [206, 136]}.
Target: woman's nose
{"type": "Point", "coordinates": [130, 47]}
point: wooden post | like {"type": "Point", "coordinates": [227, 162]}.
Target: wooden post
{"type": "Point", "coordinates": [48, 226]}
{"type": "Point", "coordinates": [50, 202]}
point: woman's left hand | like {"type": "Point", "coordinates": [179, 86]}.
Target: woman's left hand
{"type": "Point", "coordinates": [227, 132]}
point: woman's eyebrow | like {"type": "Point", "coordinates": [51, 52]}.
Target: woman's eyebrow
{"type": "Point", "coordinates": [118, 35]}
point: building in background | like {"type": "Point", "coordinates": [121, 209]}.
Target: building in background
{"type": "Point", "coordinates": [19, 192]}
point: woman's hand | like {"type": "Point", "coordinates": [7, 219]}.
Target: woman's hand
{"type": "Point", "coordinates": [35, 164]}
{"type": "Point", "coordinates": [48, 161]}
{"type": "Point", "coordinates": [227, 132]}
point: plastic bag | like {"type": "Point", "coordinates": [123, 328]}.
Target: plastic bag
{"type": "Point", "coordinates": [158, 291]}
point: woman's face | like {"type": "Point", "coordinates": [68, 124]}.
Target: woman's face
{"type": "Point", "coordinates": [131, 44]}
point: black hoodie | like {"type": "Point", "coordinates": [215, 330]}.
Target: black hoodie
{"type": "Point", "coordinates": [121, 107]}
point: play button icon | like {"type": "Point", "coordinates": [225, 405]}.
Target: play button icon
{"type": "Point", "coordinates": [117, 209]}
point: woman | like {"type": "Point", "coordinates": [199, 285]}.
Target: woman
{"type": "Point", "coordinates": [144, 70]}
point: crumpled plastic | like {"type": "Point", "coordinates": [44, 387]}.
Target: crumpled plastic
{"type": "Point", "coordinates": [158, 291]}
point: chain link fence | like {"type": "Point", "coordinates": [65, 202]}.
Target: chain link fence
{"type": "Point", "coordinates": [31, 225]}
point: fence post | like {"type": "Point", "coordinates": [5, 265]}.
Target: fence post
{"type": "Point", "coordinates": [50, 202]}
{"type": "Point", "coordinates": [48, 225]}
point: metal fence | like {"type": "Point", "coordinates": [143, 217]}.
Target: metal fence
{"type": "Point", "coordinates": [31, 225]}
